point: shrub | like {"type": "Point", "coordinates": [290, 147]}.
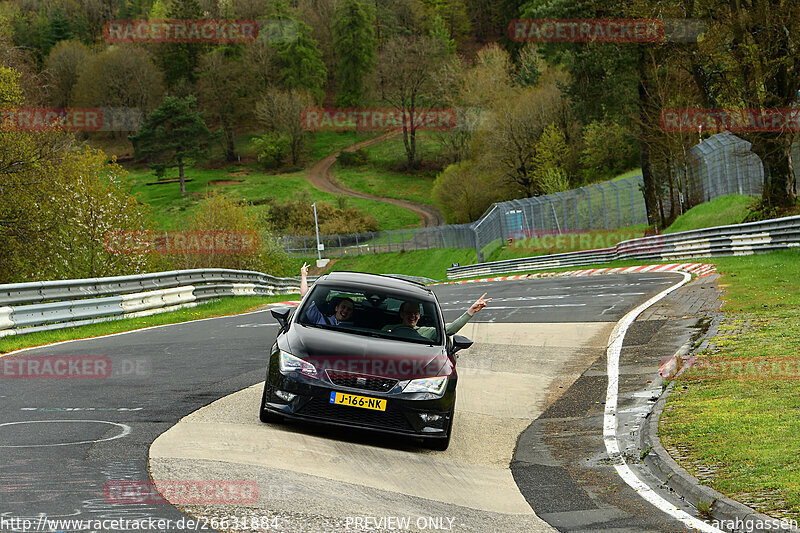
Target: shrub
{"type": "Point", "coordinates": [297, 217]}
{"type": "Point", "coordinates": [353, 159]}
{"type": "Point", "coordinates": [273, 149]}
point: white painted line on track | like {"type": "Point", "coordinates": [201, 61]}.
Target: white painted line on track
{"type": "Point", "coordinates": [126, 429]}
{"type": "Point", "coordinates": [518, 306]}
{"type": "Point", "coordinates": [610, 419]}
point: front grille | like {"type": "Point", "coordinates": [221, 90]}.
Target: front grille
{"type": "Point", "coordinates": [360, 381]}
{"type": "Point", "coordinates": [389, 419]}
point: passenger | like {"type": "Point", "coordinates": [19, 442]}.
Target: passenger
{"type": "Point", "coordinates": [410, 313]}
{"type": "Point", "coordinates": [342, 312]}
{"type": "Point", "coordinates": [341, 315]}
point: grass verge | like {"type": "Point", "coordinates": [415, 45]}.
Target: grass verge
{"type": "Point", "coordinates": [221, 307]}
{"type": "Point", "coordinates": [737, 411]}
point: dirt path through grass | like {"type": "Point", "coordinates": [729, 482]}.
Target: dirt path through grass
{"type": "Point", "coordinates": [321, 177]}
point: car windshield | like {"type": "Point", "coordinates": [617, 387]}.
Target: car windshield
{"type": "Point", "coordinates": [373, 313]}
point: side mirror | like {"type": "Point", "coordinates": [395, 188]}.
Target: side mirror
{"type": "Point", "coordinates": [281, 314]}
{"type": "Point", "coordinates": [461, 343]}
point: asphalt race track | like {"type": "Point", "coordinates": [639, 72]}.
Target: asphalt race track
{"type": "Point", "coordinates": [192, 392]}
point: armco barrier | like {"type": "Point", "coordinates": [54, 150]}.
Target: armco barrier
{"type": "Point", "coordinates": [737, 239]}
{"type": "Point", "coordinates": [48, 305]}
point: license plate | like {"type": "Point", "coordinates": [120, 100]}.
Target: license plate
{"type": "Point", "coordinates": [352, 400]}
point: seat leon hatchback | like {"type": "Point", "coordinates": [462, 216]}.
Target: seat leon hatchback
{"type": "Point", "coordinates": [344, 358]}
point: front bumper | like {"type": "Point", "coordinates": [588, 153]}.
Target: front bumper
{"type": "Point", "coordinates": [401, 417]}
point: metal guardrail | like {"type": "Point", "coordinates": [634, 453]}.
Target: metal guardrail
{"type": "Point", "coordinates": [737, 239]}
{"type": "Point", "coordinates": [48, 305]}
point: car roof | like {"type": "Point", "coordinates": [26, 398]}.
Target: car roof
{"type": "Point", "coordinates": [375, 281]}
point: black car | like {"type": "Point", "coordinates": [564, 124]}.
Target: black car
{"type": "Point", "coordinates": [368, 370]}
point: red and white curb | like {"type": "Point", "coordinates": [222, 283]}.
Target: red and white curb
{"type": "Point", "coordinates": [698, 269]}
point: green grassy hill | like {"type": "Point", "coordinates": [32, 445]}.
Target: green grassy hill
{"type": "Point", "coordinates": [718, 212]}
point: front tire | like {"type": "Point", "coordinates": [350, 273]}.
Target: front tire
{"type": "Point", "coordinates": [266, 416]}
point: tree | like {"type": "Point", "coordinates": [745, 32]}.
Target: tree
{"type": "Point", "coordinates": [94, 14]}
{"type": "Point", "coordinates": [173, 133]}
{"type": "Point", "coordinates": [261, 56]}
{"type": "Point", "coordinates": [513, 132]}
{"type": "Point", "coordinates": [548, 163]}
{"type": "Point", "coordinates": [57, 202]}
{"type": "Point", "coordinates": [395, 18]}
{"type": "Point", "coordinates": [219, 212]}
{"type": "Point", "coordinates": [58, 30]}
{"type": "Point", "coordinates": [63, 65]}
{"type": "Point", "coordinates": [354, 44]}
{"type": "Point", "coordinates": [451, 13]}
{"type": "Point", "coordinates": [608, 150]}
{"type": "Point", "coordinates": [463, 192]}
{"type": "Point", "coordinates": [280, 112]}
{"type": "Point", "coordinates": [225, 93]}
{"type": "Point", "coordinates": [610, 80]}
{"type": "Point", "coordinates": [760, 69]}
{"type": "Point", "coordinates": [121, 76]}
{"type": "Point", "coordinates": [179, 61]}
{"type": "Point", "coordinates": [319, 14]}
{"type": "Point", "coordinates": [300, 61]}
{"type": "Point", "coordinates": [94, 203]}
{"type": "Point", "coordinates": [440, 33]}
{"type": "Point", "coordinates": [406, 80]}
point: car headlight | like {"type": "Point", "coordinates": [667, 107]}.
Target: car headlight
{"type": "Point", "coordinates": [289, 363]}
{"type": "Point", "coordinates": [432, 385]}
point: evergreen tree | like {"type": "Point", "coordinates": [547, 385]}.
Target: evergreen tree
{"type": "Point", "coordinates": [179, 61]}
{"type": "Point", "coordinates": [58, 30]}
{"type": "Point", "coordinates": [172, 133]}
{"type": "Point", "coordinates": [440, 34]}
{"type": "Point", "coordinates": [300, 62]}
{"type": "Point", "coordinates": [354, 43]}
{"type": "Point", "coordinates": [299, 58]}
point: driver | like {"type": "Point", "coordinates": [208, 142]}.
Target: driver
{"type": "Point", "coordinates": [410, 313]}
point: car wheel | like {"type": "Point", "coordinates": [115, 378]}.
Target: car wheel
{"type": "Point", "coordinates": [442, 444]}
{"type": "Point", "coordinates": [263, 414]}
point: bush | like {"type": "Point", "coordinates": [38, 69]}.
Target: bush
{"type": "Point", "coordinates": [273, 149]}
{"type": "Point", "coordinates": [353, 159]}
{"type": "Point", "coordinates": [297, 217]}
{"type": "Point", "coordinates": [463, 193]}
{"type": "Point", "coordinates": [219, 212]}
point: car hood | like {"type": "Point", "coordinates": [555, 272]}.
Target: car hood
{"type": "Point", "coordinates": [327, 349]}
